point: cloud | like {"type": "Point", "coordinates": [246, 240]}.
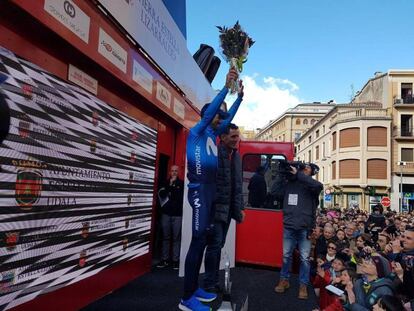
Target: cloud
{"type": "Point", "coordinates": [265, 99]}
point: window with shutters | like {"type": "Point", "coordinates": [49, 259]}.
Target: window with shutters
{"type": "Point", "coordinates": [349, 137]}
{"type": "Point", "coordinates": [407, 154]}
{"type": "Point", "coordinates": [323, 150]}
{"type": "Point", "coordinates": [310, 156]}
{"type": "Point", "coordinates": [377, 136]}
{"type": "Point", "coordinates": [377, 169]}
{"type": "Point", "coordinates": [305, 122]}
{"type": "Point", "coordinates": [317, 153]}
{"type": "Point", "coordinates": [297, 121]}
{"type": "Point", "coordinates": [349, 168]}
{"type": "Point", "coordinates": [334, 141]}
{"type": "Point", "coordinates": [333, 170]}
{"type": "Point", "coordinates": [317, 133]}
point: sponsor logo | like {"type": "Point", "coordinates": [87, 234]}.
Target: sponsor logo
{"type": "Point", "coordinates": [198, 160]}
{"type": "Point", "coordinates": [133, 157]}
{"type": "Point", "coordinates": [24, 129]}
{"type": "Point", "coordinates": [93, 146]}
{"type": "Point", "coordinates": [27, 90]}
{"type": "Point", "coordinates": [61, 201]}
{"type": "Point", "coordinates": [70, 15]}
{"type": "Point", "coordinates": [69, 9]}
{"type": "Point", "coordinates": [71, 185]}
{"type": "Point", "coordinates": [134, 136]}
{"type": "Point", "coordinates": [85, 229]}
{"type": "Point", "coordinates": [197, 206]}
{"type": "Point", "coordinates": [82, 258]}
{"type": "Point", "coordinates": [124, 244]}
{"type": "Point", "coordinates": [68, 171]}
{"type": "Point", "coordinates": [28, 188]}
{"type": "Point", "coordinates": [107, 46]}
{"type": "Point", "coordinates": [95, 118]}
{"type": "Point", "coordinates": [112, 51]}
{"type": "Point", "coordinates": [6, 281]}
{"type": "Point", "coordinates": [211, 147]}
{"type": "Point", "coordinates": [164, 95]}
{"type": "Point", "coordinates": [12, 238]}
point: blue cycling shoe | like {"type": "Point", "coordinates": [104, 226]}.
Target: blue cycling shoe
{"type": "Point", "coordinates": [192, 304]}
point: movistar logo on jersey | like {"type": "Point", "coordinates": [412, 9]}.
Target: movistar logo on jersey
{"type": "Point", "coordinates": [197, 206]}
{"type": "Point", "coordinates": [198, 160]}
{"type": "Point", "coordinates": [211, 147]}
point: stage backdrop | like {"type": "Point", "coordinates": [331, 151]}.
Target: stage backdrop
{"type": "Point", "coordinates": [76, 184]}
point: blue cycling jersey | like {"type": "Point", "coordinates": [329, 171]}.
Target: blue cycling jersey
{"type": "Point", "coordinates": [201, 142]}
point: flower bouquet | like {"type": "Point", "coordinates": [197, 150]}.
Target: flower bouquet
{"type": "Point", "coordinates": [235, 44]}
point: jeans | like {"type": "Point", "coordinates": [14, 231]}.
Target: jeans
{"type": "Point", "coordinates": [291, 238]}
{"type": "Point", "coordinates": [215, 242]}
{"type": "Point", "coordinates": [201, 199]}
{"type": "Point", "coordinates": [171, 224]}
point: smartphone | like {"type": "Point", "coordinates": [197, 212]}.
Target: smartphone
{"type": "Point", "coordinates": [334, 290]}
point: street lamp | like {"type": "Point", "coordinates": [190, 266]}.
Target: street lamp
{"type": "Point", "coordinates": [401, 164]}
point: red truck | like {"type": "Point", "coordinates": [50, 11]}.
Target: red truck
{"type": "Point", "coordinates": [259, 238]}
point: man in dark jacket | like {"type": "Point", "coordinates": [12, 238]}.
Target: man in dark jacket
{"type": "Point", "coordinates": [228, 203]}
{"type": "Point", "coordinates": [257, 188]}
{"type": "Point", "coordinates": [171, 201]}
{"type": "Point", "coordinates": [299, 193]}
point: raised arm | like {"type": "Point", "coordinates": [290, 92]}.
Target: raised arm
{"type": "Point", "coordinates": [214, 106]}
{"type": "Point", "coordinates": [232, 111]}
{"type": "Point", "coordinates": [210, 112]}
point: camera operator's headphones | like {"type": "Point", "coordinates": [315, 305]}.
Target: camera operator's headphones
{"type": "Point", "coordinates": [4, 113]}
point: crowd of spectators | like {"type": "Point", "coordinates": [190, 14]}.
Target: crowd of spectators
{"type": "Point", "coordinates": [363, 261]}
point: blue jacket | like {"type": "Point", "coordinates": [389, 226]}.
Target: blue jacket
{"type": "Point", "coordinates": [366, 300]}
{"type": "Point", "coordinates": [201, 142]}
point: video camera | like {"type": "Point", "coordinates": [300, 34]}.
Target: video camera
{"type": "Point", "coordinates": [284, 167]}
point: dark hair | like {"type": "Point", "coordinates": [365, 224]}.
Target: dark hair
{"type": "Point", "coordinates": [391, 303]}
{"type": "Point", "coordinates": [409, 228]}
{"type": "Point", "coordinates": [351, 269]}
{"type": "Point", "coordinates": [260, 169]}
{"type": "Point", "coordinates": [229, 127]}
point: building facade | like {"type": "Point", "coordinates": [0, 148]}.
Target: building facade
{"type": "Point", "coordinates": [394, 91]}
{"type": "Point", "coordinates": [291, 124]}
{"type": "Point", "coordinates": [351, 146]}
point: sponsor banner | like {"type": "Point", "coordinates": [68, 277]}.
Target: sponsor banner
{"type": "Point", "coordinates": [82, 79]}
{"type": "Point", "coordinates": [150, 24]}
{"type": "Point", "coordinates": [112, 51]}
{"type": "Point", "coordinates": [179, 108]}
{"type": "Point", "coordinates": [142, 77]}
{"type": "Point", "coordinates": [71, 16]}
{"type": "Point", "coordinates": [163, 95]}
{"type": "Point", "coordinates": [77, 184]}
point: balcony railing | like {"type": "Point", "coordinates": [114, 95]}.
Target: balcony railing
{"type": "Point", "coordinates": [360, 113]}
{"type": "Point", "coordinates": [404, 101]}
{"type": "Point", "coordinates": [404, 133]}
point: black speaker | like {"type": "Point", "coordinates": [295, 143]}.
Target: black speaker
{"type": "Point", "coordinates": [213, 68]}
{"type": "Point", "coordinates": [4, 118]}
{"type": "Point", "coordinates": [203, 57]}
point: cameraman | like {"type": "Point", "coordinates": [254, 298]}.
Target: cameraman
{"type": "Point", "coordinates": [299, 193]}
